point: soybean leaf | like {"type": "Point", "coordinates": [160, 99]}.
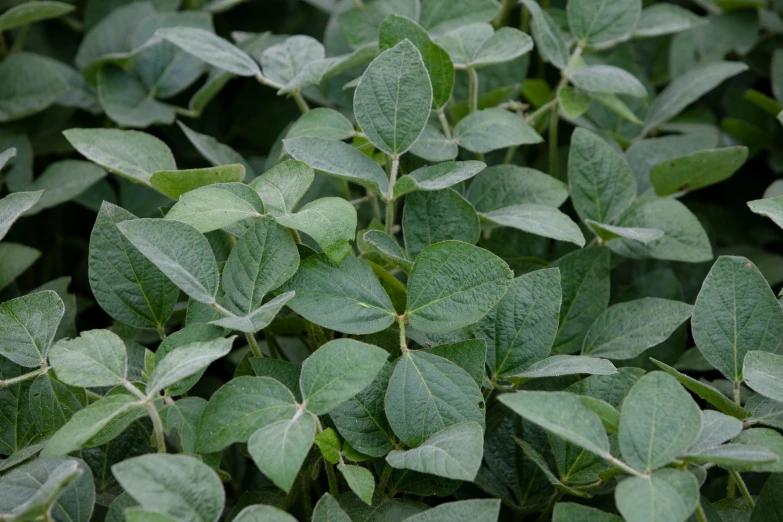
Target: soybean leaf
{"type": "Point", "coordinates": [178, 485]}
{"type": "Point", "coordinates": [478, 45]}
{"type": "Point", "coordinates": [265, 514]}
{"type": "Point", "coordinates": [132, 154]}
{"type": "Point", "coordinates": [571, 512]}
{"type": "Point", "coordinates": [184, 361]}
{"type": "Point", "coordinates": [667, 495]}
{"type": "Point", "coordinates": [491, 129]}
{"type": "Point", "coordinates": [470, 355]}
{"type": "Point", "coordinates": [360, 26]}
{"type": "Point", "coordinates": [30, 84]}
{"type": "Point", "coordinates": [433, 145]}
{"type": "Point", "coordinates": [190, 336]}
{"type": "Point", "coordinates": [659, 421]}
{"type": "Point", "coordinates": [46, 494]}
{"type": "Point", "coordinates": [15, 259]}
{"type": "Point", "coordinates": [608, 79]}
{"type": "Point", "coordinates": [735, 313]}
{"type": "Point", "coordinates": [547, 35]}
{"type": "Point", "coordinates": [345, 297]}
{"type": "Point", "coordinates": [339, 159]}
{"type": "Point", "coordinates": [32, 12]}
{"type": "Point", "coordinates": [127, 102]}
{"type": "Point", "coordinates": [505, 185]}
{"type": "Point", "coordinates": [387, 248]}
{"type": "Point", "coordinates": [175, 183]}
{"type": "Point", "coordinates": [437, 177]}
{"type": "Point", "coordinates": [598, 23]}
{"type": "Point", "coordinates": [330, 221]}
{"type": "Point", "coordinates": [392, 101]}
{"type": "Point", "coordinates": [760, 438]}
{"type": "Point", "coordinates": [477, 510]}
{"type": "Point", "coordinates": [52, 403]}
{"type": "Point", "coordinates": [557, 365]}
{"type": "Point", "coordinates": [625, 330]}
{"type": "Point", "coordinates": [329, 444]}
{"type": "Point", "coordinates": [322, 123]}
{"type": "Point", "coordinates": [769, 207]}
{"type": "Point", "coordinates": [210, 48]}
{"type": "Point", "coordinates": [763, 372]}
{"type": "Point", "coordinates": [439, 16]}
{"type": "Point", "coordinates": [280, 448]}
{"type": "Point", "coordinates": [360, 480]}
{"type": "Point", "coordinates": [283, 62]}
{"type": "Point", "coordinates": [257, 319]}
{"type": "Point", "coordinates": [521, 328]}
{"type": "Point", "coordinates": [28, 325]}
{"type": "Point", "coordinates": [435, 216]}
{"type": "Point", "coordinates": [182, 417]}
{"type": "Point", "coordinates": [282, 186]}
{"type": "Point", "coordinates": [214, 152]}
{"type": "Point", "coordinates": [428, 393]}
{"type": "Point", "coordinates": [14, 205]}
{"type": "Point", "coordinates": [63, 181]}
{"type": "Point", "coordinates": [716, 428]}
{"type": "Point", "coordinates": [697, 170]}
{"type": "Point", "coordinates": [454, 452]}
{"type": "Point", "coordinates": [768, 506]}
{"type": "Point", "coordinates": [95, 358]}
{"type": "Point", "coordinates": [453, 284]}
{"type": "Point", "coordinates": [241, 407]}
{"type": "Point", "coordinates": [573, 102]}
{"type": "Point", "coordinates": [328, 510]}
{"type": "Point", "coordinates": [179, 251]}
{"type": "Point", "coordinates": [541, 220]}
{"type": "Point", "coordinates": [733, 455]}
{"type": "Point", "coordinates": [337, 371]}
{"type": "Point", "coordinates": [609, 232]}
{"type": "Point", "coordinates": [661, 19]}
{"type": "Point", "coordinates": [217, 206]}
{"type": "Point", "coordinates": [601, 182]}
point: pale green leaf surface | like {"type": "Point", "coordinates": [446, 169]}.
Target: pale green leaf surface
{"type": "Point", "coordinates": [127, 102]}
{"type": "Point", "coordinates": [28, 325]}
{"type": "Point", "coordinates": [697, 170]}
{"type": "Point", "coordinates": [216, 153]}
{"type": "Point", "coordinates": [175, 183]}
{"type": "Point", "coordinates": [505, 185]}
{"type": "Point", "coordinates": [330, 221]}
{"type": "Point", "coordinates": [608, 79]}
{"type": "Point", "coordinates": [763, 372]}
{"type": "Point", "coordinates": [360, 480]}
{"type": "Point", "coordinates": [184, 361]}
{"type": "Point", "coordinates": [660, 19]}
{"type": "Point", "coordinates": [32, 12]}
{"type": "Point", "coordinates": [602, 23]}
{"type": "Point", "coordinates": [282, 186]}
{"type": "Point", "coordinates": [283, 62]}
{"type": "Point", "coordinates": [63, 181]}
{"type": "Point", "coordinates": [210, 48]}
{"type": "Point", "coordinates": [548, 35]}
{"type": "Point", "coordinates": [716, 428]}
{"type": "Point", "coordinates": [14, 205]}
{"type": "Point", "coordinates": [217, 206]}
{"type": "Point", "coordinates": [437, 177]}
{"type": "Point", "coordinates": [541, 220]}
{"type": "Point", "coordinates": [476, 510]}
{"type": "Point", "coordinates": [667, 495]}
{"type": "Point", "coordinates": [769, 207]}
{"type": "Point", "coordinates": [557, 365]}
{"type": "Point", "coordinates": [491, 129]}
{"type": "Point", "coordinates": [30, 85]}
{"type": "Point", "coordinates": [280, 448]}
{"type": "Point", "coordinates": [95, 358]}
{"type": "Point", "coordinates": [258, 319]}
{"type": "Point", "coordinates": [434, 216]}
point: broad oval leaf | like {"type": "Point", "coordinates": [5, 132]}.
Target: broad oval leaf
{"type": "Point", "coordinates": [174, 183]}
{"type": "Point", "coordinates": [439, 215]}
{"type": "Point", "coordinates": [763, 372]}
{"type": "Point", "coordinates": [330, 221]}
{"type": "Point", "coordinates": [608, 79]}
{"type": "Point", "coordinates": [280, 448]}
{"type": "Point", "coordinates": [95, 358]}
{"type": "Point", "coordinates": [28, 325]}
{"type": "Point", "coordinates": [541, 220]}
{"type": "Point", "coordinates": [716, 428]}
{"type": "Point", "coordinates": [667, 495]}
{"type": "Point", "coordinates": [217, 206]}
{"type": "Point", "coordinates": [210, 48]}
{"type": "Point", "coordinates": [184, 361]}
{"type": "Point", "coordinates": [697, 170]}
{"type": "Point", "coordinates": [282, 186]}
{"type": "Point", "coordinates": [14, 205]}
{"type": "Point", "coordinates": [491, 129]}
{"type": "Point", "coordinates": [30, 84]}
{"type": "Point", "coordinates": [437, 177]}
{"type": "Point", "coordinates": [557, 365]}
{"type": "Point", "coordinates": [600, 23]}
{"type": "Point", "coordinates": [506, 185]}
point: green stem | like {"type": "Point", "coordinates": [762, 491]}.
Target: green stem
{"type": "Point", "coordinates": [387, 471]}
{"type": "Point", "coordinates": [474, 89]}
{"type": "Point", "coordinates": [510, 155]}
{"type": "Point", "coordinates": [395, 165]}
{"type": "Point", "coordinates": [553, 117]}
{"type": "Point", "coordinates": [403, 343]}
{"type": "Point", "coordinates": [334, 488]}
{"type": "Point", "coordinates": [157, 425]}
{"type": "Point", "coordinates": [307, 501]}
{"type": "Point", "coordinates": [20, 38]}
{"type": "Point", "coordinates": [251, 340]}
{"type": "Point", "coordinates": [15, 380]}
{"type": "Point", "coordinates": [162, 333]}
{"type": "Point", "coordinates": [533, 117]}
{"type": "Point", "coordinates": [271, 341]}
{"type": "Point", "coordinates": [625, 467]}
{"type": "Point", "coordinates": [743, 489]}
{"type": "Point", "coordinates": [346, 190]}
{"type": "Point", "coordinates": [300, 102]}
{"type": "Point", "coordinates": [700, 514]}
{"type": "Point", "coordinates": [444, 123]}
{"type": "Point", "coordinates": [731, 488]}
{"type": "Point", "coordinates": [737, 392]}
{"type": "Point", "coordinates": [502, 18]}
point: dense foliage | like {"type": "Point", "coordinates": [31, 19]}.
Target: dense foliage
{"type": "Point", "coordinates": [422, 260]}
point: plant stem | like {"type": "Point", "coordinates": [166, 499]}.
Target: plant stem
{"type": "Point", "coordinates": [553, 118]}
{"type": "Point", "coordinates": [474, 89]}
{"type": "Point", "coordinates": [162, 333]}
{"type": "Point", "coordinates": [24, 377]}
{"type": "Point", "coordinates": [403, 343]}
{"type": "Point", "coordinates": [444, 123]}
{"type": "Point", "coordinates": [307, 501]}
{"type": "Point", "coordinates": [300, 102]}
{"type": "Point", "coordinates": [334, 488]}
{"type": "Point", "coordinates": [251, 340]}
{"type": "Point", "coordinates": [387, 471]}
{"type": "Point", "coordinates": [533, 117]}
{"type": "Point", "coordinates": [20, 38]}
{"type": "Point", "coordinates": [625, 467]}
{"type": "Point", "coordinates": [737, 392]}
{"type": "Point", "coordinates": [510, 155]}
{"type": "Point", "coordinates": [395, 165]}
{"type": "Point", "coordinates": [743, 489]}
{"type": "Point", "coordinates": [157, 425]}
{"type": "Point", "coordinates": [731, 489]}
{"type": "Point", "coordinates": [700, 514]}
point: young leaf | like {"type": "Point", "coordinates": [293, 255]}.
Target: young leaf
{"type": "Point", "coordinates": [321, 123]}
{"type": "Point", "coordinates": [434, 216]}
{"type": "Point", "coordinates": [573, 102]}
{"type": "Point", "coordinates": [735, 313]}
{"type": "Point", "coordinates": [548, 36]}
{"type": "Point", "coordinates": [179, 251]}
{"type": "Point", "coordinates": [187, 336]}
{"type": "Point", "coordinates": [769, 207]}
{"type": "Point", "coordinates": [127, 102]}
{"type": "Point", "coordinates": [132, 154]}
{"type": "Point", "coordinates": [541, 220]}
{"type": "Point", "coordinates": [387, 248]}
{"type": "Point", "coordinates": [257, 319]}
{"type": "Point", "coordinates": [659, 421]}
{"type": "Point", "coordinates": [557, 365]}
{"type": "Point", "coordinates": [95, 358]}
{"type": "Point", "coordinates": [599, 24]}
{"type": "Point", "coordinates": [601, 182]}
{"type": "Point", "coordinates": [216, 153]}
{"type": "Point", "coordinates": [478, 45]}
{"type": "Point", "coordinates": [30, 84]}
{"type": "Point", "coordinates": [330, 221]}
{"type": "Point", "coordinates": [393, 99]}
{"type": "Point", "coordinates": [337, 371]}
{"type": "Point", "coordinates": [768, 505]}
{"type": "Point", "coordinates": [716, 428]}
{"type": "Point", "coordinates": [20, 15]}
{"type": "Point", "coordinates": [283, 62]}
{"type": "Point", "coordinates": [625, 330]}
{"type": "Point", "coordinates": [733, 455]}
{"type": "Point", "coordinates": [279, 449]}
{"type": "Point", "coordinates": [433, 145]}
{"type": "Point", "coordinates": [360, 480]}
{"type": "Point", "coordinates": [210, 48]}
{"type": "Point", "coordinates": [177, 485]}
{"type": "Point", "coordinates": [454, 452]}
{"type": "Point", "coordinates": [763, 372]}
{"type": "Point", "coordinates": [697, 170]}
{"type": "Point", "coordinates": [217, 206]}
{"type": "Point", "coordinates": [453, 284]}
{"type": "Point", "coordinates": [14, 205]}
{"type": "Point", "coordinates": [241, 407]}
{"type": "Point", "coordinates": [28, 325]}
{"type": "Point", "coordinates": [428, 393]}
{"type": "Point", "coordinates": [329, 444]}
{"type": "Point", "coordinates": [505, 185]}
{"type": "Point", "coordinates": [492, 129]}
{"type": "Point", "coordinates": [608, 79]}
{"type": "Point", "coordinates": [661, 19]}
{"type": "Point", "coordinates": [667, 495]}
{"type": "Point", "coordinates": [184, 361]}
{"type": "Point", "coordinates": [174, 183]}
{"type": "Point", "coordinates": [282, 186]}
{"type": "Point", "coordinates": [437, 177]}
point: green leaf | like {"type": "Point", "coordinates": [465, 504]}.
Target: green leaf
{"type": "Point", "coordinates": [360, 480]}
{"type": "Point", "coordinates": [609, 232]}
{"type": "Point", "coordinates": [360, 25]}
{"type": "Point", "coordinates": [28, 325]}
{"type": "Point", "coordinates": [697, 170]}
{"type": "Point", "coordinates": [282, 186]}
{"type": "Point", "coordinates": [441, 16]}
{"type": "Point", "coordinates": [735, 312]}
{"type": "Point", "coordinates": [491, 129]}
{"type": "Point", "coordinates": [601, 182]}
{"type": "Point", "coordinates": [437, 177]}
{"type": "Point", "coordinates": [175, 183]}
{"type": "Point", "coordinates": [52, 404]}
{"type": "Point", "coordinates": [453, 284]}
{"type": "Point", "coordinates": [136, 514]}
{"type": "Point", "coordinates": [329, 444]}
{"type": "Point", "coordinates": [563, 414]}
{"type": "Point", "coordinates": [44, 496]}
{"type": "Point", "coordinates": [733, 455]}
{"type": "Point", "coordinates": [434, 216]}
{"type": "Point", "coordinates": [764, 438]}
{"type": "Point", "coordinates": [548, 36]}
{"type": "Point", "coordinates": [177, 485]}
{"type": "Point", "coordinates": [241, 407]}
{"type": "Point", "coordinates": [536, 458]}
{"type": "Point", "coordinates": [267, 514]}
{"type": "Point", "coordinates": [341, 160]}
{"type": "Point", "coordinates": [428, 393]}
{"type": "Point", "coordinates": [337, 371]}
{"type": "Point", "coordinates": [716, 428]}
{"type": "Point", "coordinates": [584, 277]}
{"type": "Point", "coordinates": [186, 337]}
{"type": "Point", "coordinates": [686, 89]}
{"type": "Point", "coordinates": [392, 101]}
{"type": "Point", "coordinates": [127, 102]}
{"type": "Point", "coordinates": [322, 123]}
{"type": "Point", "coordinates": [661, 19]}
{"type": "Point", "coordinates": [217, 206]}
{"type": "Point", "coordinates": [258, 319]}
{"type": "Point", "coordinates": [328, 510]}
{"type": "Point", "coordinates": [214, 152]}
{"type": "Point", "coordinates": [470, 355]}
{"type": "Point", "coordinates": [210, 48]}
{"type": "Point", "coordinates": [433, 145]}
{"type": "Point", "coordinates": [387, 248]}
{"type": "Point", "coordinates": [541, 220]}
{"type": "Point", "coordinates": [283, 62]}
{"type": "Point", "coordinates": [768, 505]}
{"type": "Point", "coordinates": [667, 495]}
{"type": "Point", "coordinates": [179, 251]}
{"type": "Point", "coordinates": [478, 45]}
{"type": "Point", "coordinates": [183, 418]}
{"type": "Point", "coordinates": [706, 392]}
{"type": "Point", "coordinates": [126, 285]}
{"type": "Point", "coordinates": [131, 154]}
{"type": "Point", "coordinates": [769, 207]}
{"type": "Point", "coordinates": [570, 512]}
{"type": "Point", "coordinates": [30, 84]}
{"type": "Point", "coordinates": [15, 259]}
{"type": "Point", "coordinates": [477, 510]}
{"type": "Point", "coordinates": [89, 422]}
{"type": "Point", "coordinates": [280, 448]}
{"type": "Point", "coordinates": [625, 330]}
{"type": "Point", "coordinates": [659, 421]}
{"type": "Point", "coordinates": [454, 452]}
{"type": "Point", "coordinates": [345, 297]}
{"type": "Point", "coordinates": [330, 221]}
{"type": "Point", "coordinates": [608, 79]}
{"type": "Point", "coordinates": [63, 181]}
{"type": "Point", "coordinates": [684, 238]}
{"type": "Point", "coordinates": [521, 328]}
{"type": "Point", "coordinates": [184, 361]}
{"type": "Point", "coordinates": [505, 185]}
{"type": "Point", "coordinates": [599, 24]}
{"type": "Point", "coordinates": [32, 12]}
{"type": "Point", "coordinates": [763, 372]}
{"type": "Point", "coordinates": [557, 365]}
{"type": "Point", "coordinates": [573, 102]}
{"type": "Point", "coordinates": [395, 29]}
{"type": "Point", "coordinates": [95, 358]}
{"type": "Point", "coordinates": [14, 205]}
